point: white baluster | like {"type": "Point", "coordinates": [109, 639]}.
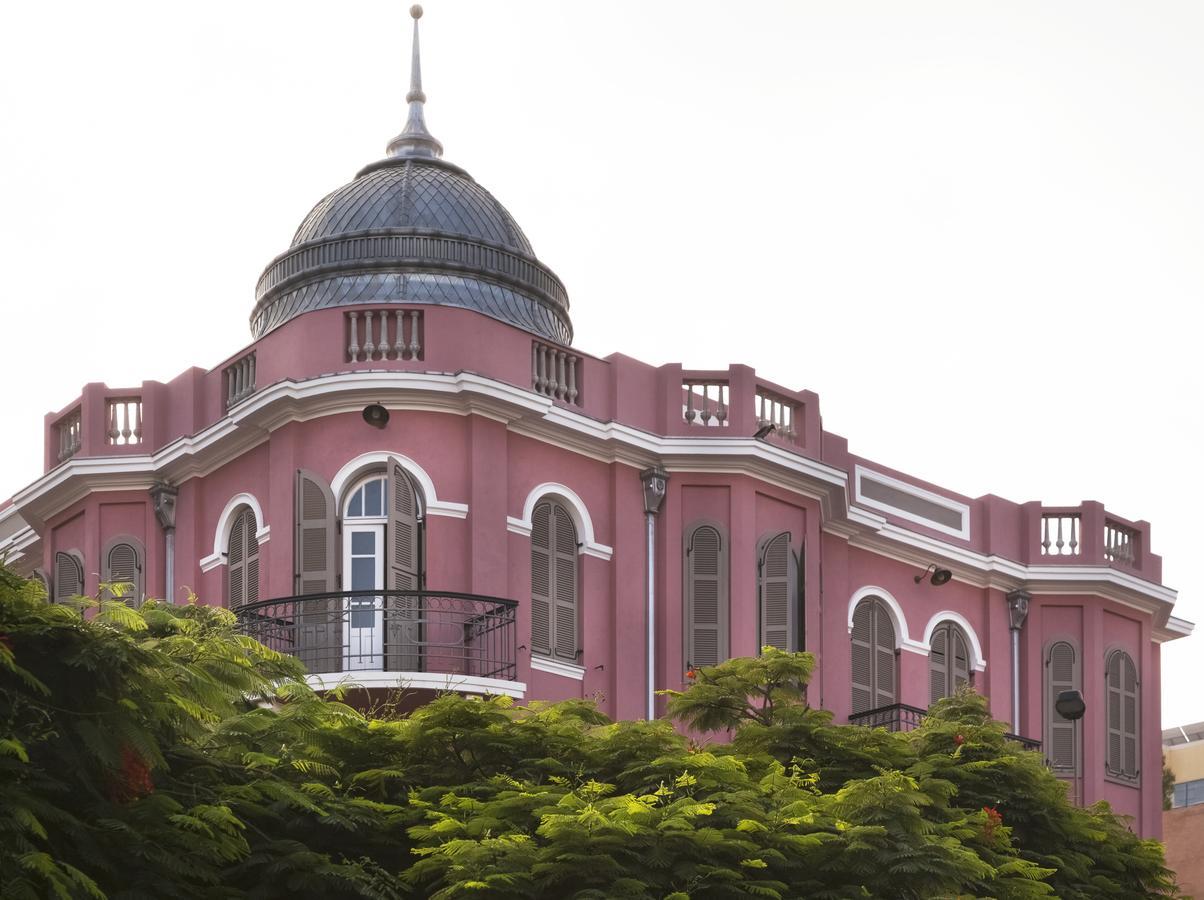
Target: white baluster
{"type": "Point", "coordinates": [399, 344]}
{"type": "Point", "coordinates": [369, 346]}
{"type": "Point", "coordinates": [353, 347]}
{"type": "Point", "coordinates": [415, 343]}
{"type": "Point", "coordinates": [572, 379]}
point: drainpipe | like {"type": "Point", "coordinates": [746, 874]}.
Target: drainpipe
{"type": "Point", "coordinates": [1017, 612]}
{"type": "Point", "coordinates": [163, 501]}
{"type": "Point", "coordinates": [655, 481]}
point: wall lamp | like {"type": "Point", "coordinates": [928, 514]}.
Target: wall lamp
{"type": "Point", "coordinates": [376, 415]}
{"type": "Point", "coordinates": [939, 576]}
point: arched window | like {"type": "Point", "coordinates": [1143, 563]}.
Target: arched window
{"type": "Point", "coordinates": [706, 596]}
{"type": "Point", "coordinates": [777, 592]}
{"type": "Point", "coordinates": [1123, 745]}
{"type": "Point", "coordinates": [1061, 739]}
{"type": "Point", "coordinates": [68, 575]}
{"type": "Point", "coordinates": [554, 629]}
{"type": "Point", "coordinates": [948, 661]}
{"type": "Point", "coordinates": [122, 562]}
{"type": "Point", "coordinates": [873, 658]}
{"type": "Point", "coordinates": [242, 560]}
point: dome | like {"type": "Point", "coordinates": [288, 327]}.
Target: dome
{"type": "Point", "coordinates": [413, 229]}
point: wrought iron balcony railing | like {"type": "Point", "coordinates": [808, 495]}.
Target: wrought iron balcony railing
{"type": "Point", "coordinates": [901, 717]}
{"type": "Point", "coordinates": [390, 631]}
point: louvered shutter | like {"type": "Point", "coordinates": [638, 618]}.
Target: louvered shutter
{"type": "Point", "coordinates": [960, 659]}
{"type": "Point", "coordinates": [1122, 716]}
{"type": "Point", "coordinates": [706, 611]}
{"type": "Point", "coordinates": [123, 564]}
{"type": "Point", "coordinates": [541, 580]}
{"type": "Point", "coordinates": [938, 665]}
{"type": "Point", "coordinates": [242, 560]}
{"type": "Point", "coordinates": [1061, 674]}
{"type": "Point", "coordinates": [862, 674]}
{"type": "Point", "coordinates": [319, 623]}
{"type": "Point", "coordinates": [68, 576]}
{"type": "Point", "coordinates": [884, 657]}
{"type": "Point", "coordinates": [564, 585]}
{"type": "Point", "coordinates": [403, 630]}
{"type": "Point", "coordinates": [776, 592]}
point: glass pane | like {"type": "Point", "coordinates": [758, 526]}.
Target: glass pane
{"type": "Point", "coordinates": [1195, 793]}
{"type": "Point", "coordinates": [363, 543]}
{"type": "Point", "coordinates": [363, 573]}
{"type": "Point", "coordinates": [1179, 798]}
{"type": "Point", "coordinates": [363, 612]}
{"type": "Point", "coordinates": [372, 499]}
{"type": "Point", "coordinates": [356, 506]}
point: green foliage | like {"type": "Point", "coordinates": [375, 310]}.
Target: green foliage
{"type": "Point", "coordinates": [155, 753]}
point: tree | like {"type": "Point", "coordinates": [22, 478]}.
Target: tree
{"type": "Point", "coordinates": [156, 753]}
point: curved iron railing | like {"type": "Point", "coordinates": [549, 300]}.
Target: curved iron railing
{"type": "Point", "coordinates": [903, 717]}
{"type": "Point", "coordinates": [389, 631]}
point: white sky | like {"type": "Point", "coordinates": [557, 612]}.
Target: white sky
{"type": "Point", "coordinates": [974, 228]}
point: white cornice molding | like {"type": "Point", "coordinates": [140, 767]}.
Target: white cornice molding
{"type": "Point", "coordinates": [554, 667]}
{"type": "Point", "coordinates": [14, 546]}
{"type": "Point", "coordinates": [577, 510]}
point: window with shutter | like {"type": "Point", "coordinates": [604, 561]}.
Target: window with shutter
{"type": "Point", "coordinates": [706, 596]}
{"type": "Point", "coordinates": [777, 592]}
{"type": "Point", "coordinates": [948, 661]}
{"type": "Point", "coordinates": [123, 564]}
{"type": "Point", "coordinates": [318, 623]}
{"type": "Point", "coordinates": [68, 575]}
{"type": "Point", "coordinates": [1123, 744]}
{"type": "Point", "coordinates": [242, 560]}
{"type": "Point", "coordinates": [1061, 738]}
{"type": "Point", "coordinates": [873, 656]}
{"type": "Point", "coordinates": [403, 613]}
{"type": "Point", "coordinates": [555, 629]}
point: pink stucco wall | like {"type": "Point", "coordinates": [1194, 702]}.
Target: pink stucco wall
{"type": "Point", "coordinates": [476, 457]}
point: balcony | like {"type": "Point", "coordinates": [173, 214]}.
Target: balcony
{"type": "Point", "coordinates": [433, 640]}
{"type": "Point", "coordinates": [902, 717]}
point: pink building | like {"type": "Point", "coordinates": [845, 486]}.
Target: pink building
{"type": "Point", "coordinates": [410, 476]}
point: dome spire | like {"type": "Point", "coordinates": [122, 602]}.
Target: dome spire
{"type": "Point", "coordinates": [414, 139]}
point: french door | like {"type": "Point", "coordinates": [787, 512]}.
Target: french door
{"type": "Point", "coordinates": [364, 570]}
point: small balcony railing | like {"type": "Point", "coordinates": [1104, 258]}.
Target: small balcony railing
{"type": "Point", "coordinates": [433, 632]}
{"type": "Point", "coordinates": [902, 717]}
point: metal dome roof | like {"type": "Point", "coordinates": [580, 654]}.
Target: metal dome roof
{"type": "Point", "coordinates": [413, 229]}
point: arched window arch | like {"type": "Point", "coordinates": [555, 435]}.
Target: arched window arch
{"type": "Point", "coordinates": [777, 592]}
{"type": "Point", "coordinates": [554, 600]}
{"type": "Point", "coordinates": [1123, 743]}
{"type": "Point", "coordinates": [242, 559]}
{"type": "Point", "coordinates": [1062, 673]}
{"type": "Point", "coordinates": [873, 656]}
{"type": "Point", "coordinates": [68, 574]}
{"type": "Point", "coordinates": [949, 663]}
{"type": "Point", "coordinates": [123, 561]}
{"type": "Point", "coordinates": [706, 591]}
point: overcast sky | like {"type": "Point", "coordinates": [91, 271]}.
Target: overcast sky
{"type": "Point", "coordinates": [974, 228]}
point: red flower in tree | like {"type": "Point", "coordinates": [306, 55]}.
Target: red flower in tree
{"type": "Point", "coordinates": [691, 674]}
{"type": "Point", "coordinates": [133, 779]}
{"type": "Point", "coordinates": [958, 739]}
{"type": "Point", "coordinates": [994, 820]}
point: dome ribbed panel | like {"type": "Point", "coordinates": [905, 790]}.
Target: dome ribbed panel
{"type": "Point", "coordinates": [493, 300]}
{"type": "Point", "coordinates": [414, 195]}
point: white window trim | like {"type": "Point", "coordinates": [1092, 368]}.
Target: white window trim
{"type": "Point", "coordinates": [961, 508]}
{"type": "Point", "coordinates": [948, 615]}
{"type": "Point", "coordinates": [903, 640]}
{"type": "Point", "coordinates": [577, 511]}
{"type": "Point", "coordinates": [376, 459]}
{"type": "Point", "coordinates": [553, 667]}
{"type": "Point", "coordinates": [225, 522]}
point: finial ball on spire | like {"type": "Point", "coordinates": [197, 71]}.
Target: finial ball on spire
{"type": "Point", "coordinates": [416, 11]}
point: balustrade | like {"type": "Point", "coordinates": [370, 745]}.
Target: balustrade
{"type": "Point", "coordinates": [123, 418]}
{"type": "Point", "coordinates": [554, 373]}
{"type": "Point", "coordinates": [1060, 534]}
{"type": "Point", "coordinates": [704, 402]}
{"type": "Point", "coordinates": [1120, 543]}
{"type": "Point", "coordinates": [238, 379]}
{"type": "Point", "coordinates": [778, 412]}
{"type": "Point", "coordinates": [368, 335]}
{"type": "Point", "coordinates": [70, 431]}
